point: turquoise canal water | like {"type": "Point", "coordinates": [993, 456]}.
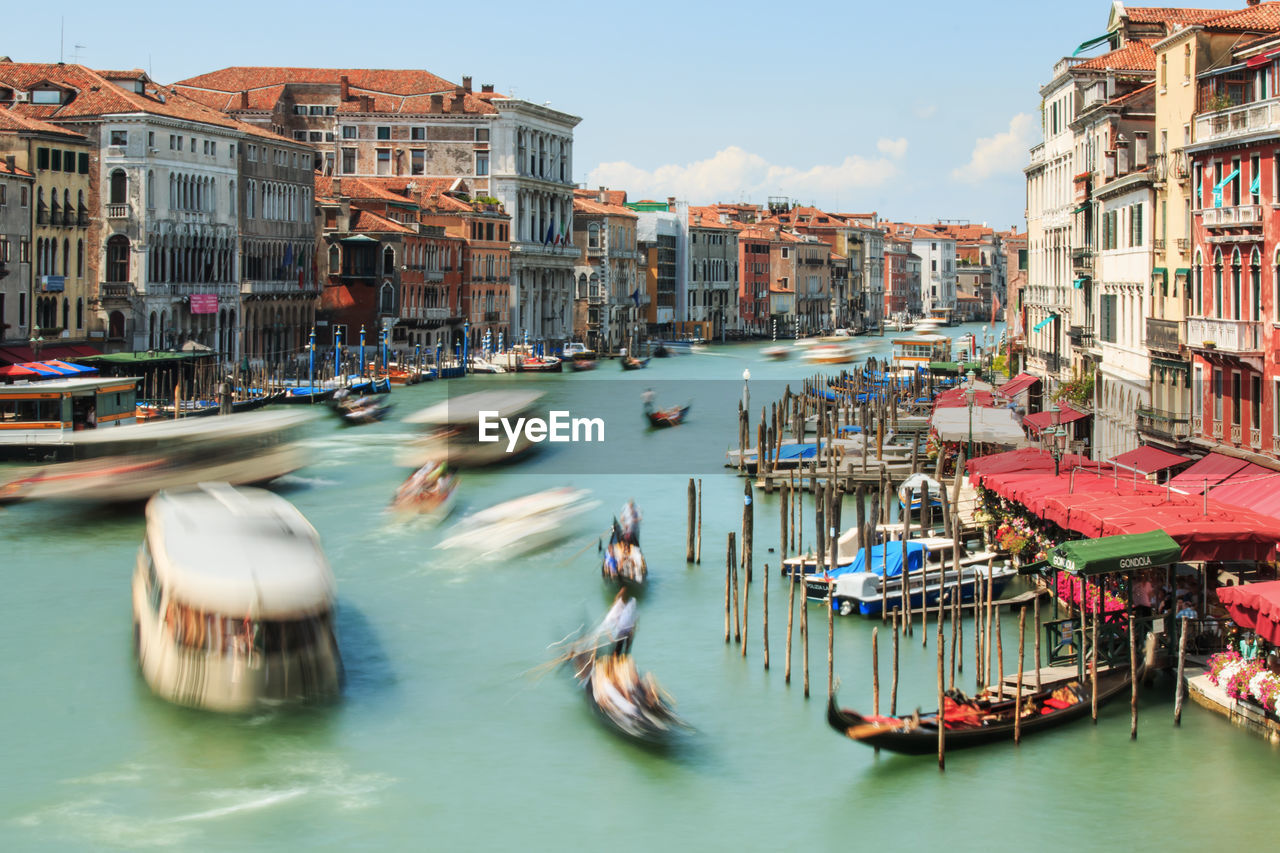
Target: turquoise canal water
{"type": "Point", "coordinates": [449, 735]}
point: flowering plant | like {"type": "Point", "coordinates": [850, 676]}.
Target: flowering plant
{"type": "Point", "coordinates": [1241, 679]}
{"type": "Point", "coordinates": [1075, 590]}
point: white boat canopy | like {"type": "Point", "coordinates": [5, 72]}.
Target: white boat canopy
{"type": "Point", "coordinates": [468, 407]}
{"type": "Point", "coordinates": [238, 552]}
{"type": "Point", "coordinates": [990, 426]}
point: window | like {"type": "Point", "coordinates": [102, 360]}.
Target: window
{"type": "Point", "coordinates": [482, 163]}
{"type": "Point", "coordinates": [593, 240]}
{"type": "Point", "coordinates": [1255, 401]}
{"type": "Point", "coordinates": [417, 161]}
{"type": "Point", "coordinates": [56, 163]}
{"type": "Point", "coordinates": [299, 109]}
{"type": "Point", "coordinates": [119, 191]}
{"type": "Point", "coordinates": [4, 197]}
{"type": "Point", "coordinates": [300, 135]}
{"type": "Point", "coordinates": [328, 136]}
{"type": "Point", "coordinates": [384, 133]}
{"type": "Point", "coordinates": [68, 161]}
{"type": "Point", "coordinates": [348, 161]}
{"type": "Point", "coordinates": [1107, 317]}
{"type": "Point", "coordinates": [384, 161]}
{"type": "Point", "coordinates": [1235, 398]}
{"type": "Point", "coordinates": [79, 259]}
{"type": "Point", "coordinates": [46, 96]}
{"type": "Point", "coordinates": [348, 131]}
{"type": "Point", "coordinates": [1135, 225]}
{"type": "Point", "coordinates": [388, 261]}
{"type": "Point", "coordinates": [1217, 395]}
{"type": "Point", "coordinates": [173, 142]}
{"type": "Point", "coordinates": [1235, 182]}
{"type": "Point", "coordinates": [313, 136]}
{"type": "Point", "coordinates": [418, 133]}
{"type": "Point", "coordinates": [1186, 63]}
{"type": "Point", "coordinates": [316, 110]}
{"type": "Point", "coordinates": [1255, 179]}
{"type": "Point", "coordinates": [1164, 70]}
{"type": "Point", "coordinates": [118, 258]}
{"type": "Point", "coordinates": [329, 111]}
{"type": "Point", "coordinates": [482, 134]}
{"type": "Point", "coordinates": [151, 139]}
{"type": "Point", "coordinates": [252, 153]}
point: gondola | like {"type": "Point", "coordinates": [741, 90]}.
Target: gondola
{"type": "Point", "coordinates": [430, 491]}
{"type": "Point", "coordinates": [629, 363]}
{"type": "Point", "coordinates": [306, 394]}
{"type": "Point", "coordinates": [660, 418]}
{"type": "Point", "coordinates": [974, 722]}
{"type": "Point", "coordinates": [578, 365]}
{"type": "Point", "coordinates": [642, 714]}
{"type": "Point", "coordinates": [361, 410]}
{"type": "Point", "coordinates": [623, 563]}
{"type": "Point", "coordinates": [251, 403]}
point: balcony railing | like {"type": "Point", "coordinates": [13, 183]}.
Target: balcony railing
{"type": "Point", "coordinates": [1228, 217]}
{"type": "Point", "coordinates": [1217, 429]}
{"type": "Point", "coordinates": [82, 218]}
{"type": "Point", "coordinates": [1238, 121]}
{"type": "Point", "coordinates": [1183, 244]}
{"type": "Point", "coordinates": [1236, 336]}
{"type": "Point", "coordinates": [491, 316]}
{"type": "Point", "coordinates": [256, 286]}
{"type": "Point", "coordinates": [116, 291]}
{"type": "Point", "coordinates": [1197, 424]}
{"type": "Point", "coordinates": [1082, 260]}
{"type": "Point", "coordinates": [117, 211]}
{"type": "Point", "coordinates": [42, 216]}
{"type": "Point", "coordinates": [1255, 439]}
{"type": "Point", "coordinates": [1162, 423]}
{"type": "Point", "coordinates": [1158, 244]}
{"type": "Point", "coordinates": [1165, 335]}
{"type": "Point", "coordinates": [1235, 433]}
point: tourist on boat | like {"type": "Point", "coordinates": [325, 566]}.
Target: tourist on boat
{"type": "Point", "coordinates": [647, 396]}
{"type": "Point", "coordinates": [619, 624]}
{"type": "Point", "coordinates": [630, 523]}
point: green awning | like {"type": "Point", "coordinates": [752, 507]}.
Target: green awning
{"type": "Point", "coordinates": [944, 367]}
{"type": "Point", "coordinates": [1162, 272]}
{"type": "Point", "coordinates": [1113, 554]}
{"type": "Point", "coordinates": [1182, 271]}
{"type": "Point", "coordinates": [1081, 209]}
{"type": "Point", "coordinates": [1079, 283]}
{"type": "Point", "coordinates": [143, 357]}
{"type": "Point", "coordinates": [1093, 42]}
{"type": "Point", "coordinates": [1046, 321]}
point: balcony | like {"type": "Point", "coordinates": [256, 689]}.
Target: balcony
{"type": "Point", "coordinates": [1255, 439]}
{"type": "Point", "coordinates": [42, 215]}
{"type": "Point", "coordinates": [255, 287]}
{"type": "Point", "coordinates": [1158, 244]}
{"type": "Point", "coordinates": [1163, 424]}
{"type": "Point", "coordinates": [82, 218]}
{"type": "Point", "coordinates": [117, 211]}
{"type": "Point", "coordinates": [1244, 120]}
{"type": "Point", "coordinates": [1183, 244]}
{"type": "Point", "coordinates": [223, 290]}
{"type": "Point", "coordinates": [116, 291]}
{"type": "Point", "coordinates": [433, 275]}
{"type": "Point", "coordinates": [1232, 336]}
{"type": "Point", "coordinates": [1181, 164]}
{"type": "Point", "coordinates": [1082, 261]}
{"type": "Point", "coordinates": [1165, 335]}
{"type": "Point", "coordinates": [190, 217]}
{"type": "Point", "coordinates": [492, 316]}
{"type": "Point", "coordinates": [1232, 217]}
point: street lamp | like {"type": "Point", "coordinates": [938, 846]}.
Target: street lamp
{"type": "Point", "coordinates": [969, 394]}
{"type": "Point", "coordinates": [1055, 415]}
{"type": "Point", "coordinates": [746, 391]}
{"type": "Point", "coordinates": [37, 343]}
{"type": "Point", "coordinates": [311, 366]}
{"type": "Point", "coordinates": [362, 351]}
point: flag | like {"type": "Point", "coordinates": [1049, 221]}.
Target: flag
{"type": "Point", "coordinates": [635, 297]}
{"type": "Point", "coordinates": [995, 306]}
{"type": "Point", "coordinates": [551, 231]}
{"type": "Point", "coordinates": [288, 255]}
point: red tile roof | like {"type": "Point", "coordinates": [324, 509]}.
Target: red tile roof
{"type": "Point", "coordinates": [1134, 56]}
{"type": "Point", "coordinates": [1265, 17]}
{"type": "Point", "coordinates": [1166, 14]}
{"type": "Point", "coordinates": [400, 91]}
{"type": "Point", "coordinates": [590, 205]}
{"type": "Point", "coordinates": [12, 122]}
{"type": "Point", "coordinates": [6, 170]}
{"type": "Point", "coordinates": [368, 221]}
{"type": "Point", "coordinates": [93, 95]}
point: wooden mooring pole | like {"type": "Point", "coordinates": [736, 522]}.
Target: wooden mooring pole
{"type": "Point", "coordinates": [765, 630]}
{"type": "Point", "coordinates": [893, 686]}
{"type": "Point", "coordinates": [728, 584]}
{"type": "Point", "coordinates": [1017, 698]}
{"type": "Point", "coordinates": [1182, 661]}
{"type": "Point", "coordinates": [688, 553]}
{"type": "Point", "coordinates": [1133, 681]}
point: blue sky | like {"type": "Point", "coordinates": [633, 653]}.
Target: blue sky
{"type": "Point", "coordinates": [919, 110]}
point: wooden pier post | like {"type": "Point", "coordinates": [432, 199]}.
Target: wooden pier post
{"type": "Point", "coordinates": [737, 602]}
{"type": "Point", "coordinates": [1036, 606]}
{"type": "Point", "coordinates": [1017, 699]}
{"type": "Point", "coordinates": [1133, 681]}
{"type": "Point", "coordinates": [893, 688]}
{"type": "Point", "coordinates": [728, 583]}
{"type": "Point", "coordinates": [791, 612]}
{"type": "Point", "coordinates": [953, 606]}
{"type": "Point", "coordinates": [915, 452]}
{"type": "Point", "coordinates": [783, 508]}
{"type": "Point", "coordinates": [831, 646]}
{"type": "Point", "coordinates": [942, 714]}
{"type": "Point", "coordinates": [1094, 655]}
{"type": "Point", "coordinates": [986, 663]}
{"type": "Point", "coordinates": [748, 539]}
{"type": "Point", "coordinates": [875, 671]}
{"type": "Point", "coordinates": [999, 626]}
{"type": "Point", "coordinates": [906, 564]}
{"type": "Point", "coordinates": [765, 629]}
{"type": "Point", "coordinates": [688, 554]}
{"type": "Point", "coordinates": [1180, 690]}
{"type": "Point", "coordinates": [804, 639]}
{"type": "Point", "coordinates": [698, 556]}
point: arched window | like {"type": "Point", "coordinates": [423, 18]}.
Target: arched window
{"type": "Point", "coordinates": [1197, 284]}
{"type": "Point", "coordinates": [151, 332]}
{"type": "Point", "coordinates": [79, 259]}
{"type": "Point", "coordinates": [118, 258]}
{"type": "Point", "coordinates": [231, 194]}
{"type": "Point", "coordinates": [593, 236]}
{"type": "Point", "coordinates": [119, 187]}
{"type": "Point", "coordinates": [66, 313]}
{"type": "Point", "coordinates": [1255, 285]}
{"type": "Point", "coordinates": [82, 212]}
{"type": "Point", "coordinates": [115, 325]}
{"type": "Point", "coordinates": [388, 261]}
{"type": "Point", "coordinates": [151, 190]}
{"type": "Point", "coordinates": [80, 312]}
{"type": "Point", "coordinates": [66, 257]}
{"type": "Point", "coordinates": [1217, 283]}
{"type": "Point", "coordinates": [173, 191]}
{"type": "Point", "coordinates": [1235, 285]}
{"type": "Point", "coordinates": [334, 260]}
{"type": "Point", "coordinates": [387, 299]}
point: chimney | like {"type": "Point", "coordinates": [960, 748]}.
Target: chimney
{"type": "Point", "coordinates": [466, 85]}
{"type": "Point", "coordinates": [244, 99]}
{"type": "Point", "coordinates": [1108, 165]}
{"type": "Point", "coordinates": [337, 188]}
{"type": "Point", "coordinates": [366, 103]}
{"type": "Point", "coordinates": [458, 104]}
{"type": "Point", "coordinates": [1140, 150]}
{"type": "Point", "coordinates": [344, 88]}
{"type": "Point", "coordinates": [602, 195]}
{"type": "Point", "coordinates": [671, 204]}
{"type": "Point", "coordinates": [437, 103]}
{"type": "Point", "coordinates": [11, 161]}
{"type": "Point", "coordinates": [486, 88]}
{"type": "Point", "coordinates": [1124, 162]}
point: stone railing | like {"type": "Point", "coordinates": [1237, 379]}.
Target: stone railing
{"type": "Point", "coordinates": [1243, 120]}
{"type": "Point", "coordinates": [117, 211]}
{"type": "Point", "coordinates": [1255, 439]}
{"type": "Point", "coordinates": [1228, 217]}
{"type": "Point", "coordinates": [1235, 433]}
{"type": "Point", "coordinates": [1224, 335]}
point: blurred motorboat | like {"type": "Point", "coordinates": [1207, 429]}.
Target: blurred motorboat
{"type": "Point", "coordinates": [830, 353]}
{"type": "Point", "coordinates": [523, 525]}
{"type": "Point", "coordinates": [233, 601]}
{"type": "Point", "coordinates": [132, 463]}
{"type": "Point", "coordinates": [430, 491]}
{"type": "Point", "coordinates": [776, 353]}
{"type": "Point", "coordinates": [452, 430]}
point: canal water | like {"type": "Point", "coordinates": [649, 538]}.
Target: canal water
{"type": "Point", "coordinates": [453, 735]}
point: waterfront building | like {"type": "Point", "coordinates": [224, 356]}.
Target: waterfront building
{"type": "Point", "coordinates": [16, 189]}
{"type": "Point", "coordinates": [61, 293]}
{"type": "Point", "coordinates": [712, 298]}
{"type": "Point", "coordinates": [661, 243]}
{"type": "Point", "coordinates": [390, 123]}
{"type": "Point", "coordinates": [609, 295]}
{"type": "Point", "coordinates": [754, 276]}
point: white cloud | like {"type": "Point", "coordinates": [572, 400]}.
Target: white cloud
{"type": "Point", "coordinates": [926, 110]}
{"type": "Point", "coordinates": [1004, 152]}
{"type": "Point", "coordinates": [895, 148]}
{"type": "Point", "coordinates": [734, 173]}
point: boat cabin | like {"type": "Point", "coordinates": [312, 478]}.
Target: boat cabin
{"type": "Point", "coordinates": [37, 416]}
{"type": "Point", "coordinates": [920, 351]}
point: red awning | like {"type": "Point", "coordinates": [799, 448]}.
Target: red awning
{"type": "Point", "coordinates": [24, 354]}
{"type": "Point", "coordinates": [1148, 460]}
{"type": "Point", "coordinates": [1092, 500]}
{"type": "Point", "coordinates": [1255, 606]}
{"type": "Point", "coordinates": [1259, 492]}
{"type": "Point", "coordinates": [954, 398]}
{"type": "Point", "coordinates": [1212, 470]}
{"type": "Point", "coordinates": [1017, 385]}
{"type": "Point", "coordinates": [337, 297]}
{"type": "Point", "coordinates": [1261, 59]}
{"type": "Point", "coordinates": [15, 371]}
{"type": "Point", "coordinates": [1043, 420]}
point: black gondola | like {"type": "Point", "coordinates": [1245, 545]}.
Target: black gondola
{"type": "Point", "coordinates": [623, 563]}
{"type": "Point", "coordinates": [979, 721]}
{"type": "Point", "coordinates": [660, 418]}
{"type": "Point", "coordinates": [629, 363]}
{"type": "Point", "coordinates": [650, 720]}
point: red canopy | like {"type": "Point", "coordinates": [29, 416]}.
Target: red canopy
{"type": "Point", "coordinates": [1043, 420]}
{"type": "Point", "coordinates": [1017, 385]}
{"type": "Point", "coordinates": [23, 354]}
{"type": "Point", "coordinates": [17, 370]}
{"type": "Point", "coordinates": [1091, 500]}
{"type": "Point", "coordinates": [1211, 470]}
{"type": "Point", "coordinates": [1255, 606]}
{"type": "Point", "coordinates": [954, 398]}
{"type": "Point", "coordinates": [1148, 460]}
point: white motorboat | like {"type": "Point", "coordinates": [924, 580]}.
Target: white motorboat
{"type": "Point", "coordinates": [233, 601]}
{"type": "Point", "coordinates": [452, 430]}
{"type": "Point", "coordinates": [523, 525]}
{"type": "Point", "coordinates": [776, 353]}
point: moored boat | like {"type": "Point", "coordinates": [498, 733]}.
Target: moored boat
{"type": "Point", "coordinates": [233, 601]}
{"type": "Point", "coordinates": [540, 364]}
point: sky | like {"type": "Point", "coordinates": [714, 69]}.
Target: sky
{"type": "Point", "coordinates": [921, 112]}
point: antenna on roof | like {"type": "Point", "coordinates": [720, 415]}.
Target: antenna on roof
{"type": "Point", "coordinates": [62, 38]}
{"type": "Point", "coordinates": [75, 54]}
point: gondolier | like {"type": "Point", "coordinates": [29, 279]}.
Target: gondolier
{"type": "Point", "coordinates": [630, 523]}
